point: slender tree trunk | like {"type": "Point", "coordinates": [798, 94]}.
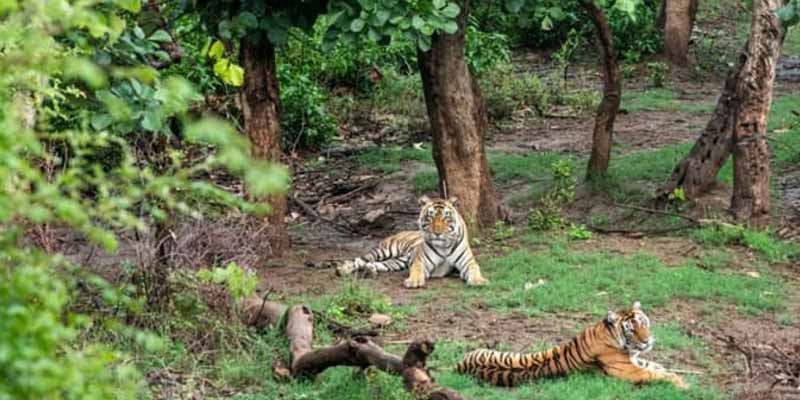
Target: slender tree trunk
{"type": "Point", "coordinates": [458, 119]}
{"type": "Point", "coordinates": [750, 200]}
{"type": "Point", "coordinates": [678, 22]}
{"type": "Point", "coordinates": [260, 101]}
{"type": "Point", "coordinates": [612, 92]}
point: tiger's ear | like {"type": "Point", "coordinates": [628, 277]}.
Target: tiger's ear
{"type": "Point", "coordinates": [611, 317]}
{"type": "Point", "coordinates": [637, 305]}
{"type": "Point", "coordinates": [424, 200]}
{"type": "Point", "coordinates": [454, 201]}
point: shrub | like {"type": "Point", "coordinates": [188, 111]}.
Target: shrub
{"type": "Point", "coordinates": [305, 121]}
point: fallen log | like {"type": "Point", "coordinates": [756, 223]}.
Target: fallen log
{"type": "Point", "coordinates": [358, 351]}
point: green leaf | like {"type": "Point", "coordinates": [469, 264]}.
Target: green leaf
{"type": "Point", "coordinates": [101, 121]}
{"type": "Point", "coordinates": [417, 22]}
{"type": "Point", "coordinates": [450, 27]}
{"type": "Point", "coordinates": [160, 36]}
{"type": "Point", "coordinates": [217, 50]}
{"type": "Point", "coordinates": [382, 16]}
{"type": "Point", "coordinates": [278, 35]}
{"type": "Point", "coordinates": [373, 35]}
{"type": "Point", "coordinates": [547, 23]}
{"type": "Point", "coordinates": [439, 3]}
{"type": "Point", "coordinates": [133, 6]}
{"type": "Point", "coordinates": [357, 25]}
{"type": "Point", "coordinates": [424, 42]}
{"type": "Point", "coordinates": [152, 121]}
{"type": "Point", "coordinates": [138, 32]}
{"type": "Point", "coordinates": [230, 73]}
{"type": "Point", "coordinates": [451, 11]}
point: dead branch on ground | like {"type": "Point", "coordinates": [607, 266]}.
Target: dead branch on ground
{"type": "Point", "coordinates": [358, 351]}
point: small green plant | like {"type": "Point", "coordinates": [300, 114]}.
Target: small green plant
{"type": "Point", "coordinates": [503, 231]}
{"type": "Point", "coordinates": [578, 232]}
{"type": "Point", "coordinates": [628, 71]}
{"type": "Point", "coordinates": [239, 282]}
{"type": "Point", "coordinates": [774, 250]}
{"type": "Point", "coordinates": [563, 56]}
{"type": "Point", "coordinates": [657, 71]}
{"type": "Point", "coordinates": [677, 198]}
{"type": "Point", "coordinates": [548, 214]}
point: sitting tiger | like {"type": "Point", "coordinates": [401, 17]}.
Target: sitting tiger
{"type": "Point", "coordinates": [613, 345]}
{"type": "Point", "coordinates": [436, 249]}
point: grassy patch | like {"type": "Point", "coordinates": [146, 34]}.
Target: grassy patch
{"type": "Point", "coordinates": [596, 282]}
{"type": "Point", "coordinates": [535, 166]}
{"type": "Point", "coordinates": [772, 249]}
{"type": "Point", "coordinates": [660, 99]}
{"type": "Point", "coordinates": [389, 159]}
{"type": "Point", "coordinates": [425, 181]}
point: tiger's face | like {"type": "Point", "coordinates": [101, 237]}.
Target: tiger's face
{"type": "Point", "coordinates": [439, 221]}
{"type": "Point", "coordinates": [632, 329]}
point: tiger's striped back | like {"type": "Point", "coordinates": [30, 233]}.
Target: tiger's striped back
{"type": "Point", "coordinates": [617, 337]}
{"type": "Point", "coordinates": [503, 368]}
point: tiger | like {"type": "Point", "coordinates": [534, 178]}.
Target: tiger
{"type": "Point", "coordinates": [439, 247]}
{"type": "Point", "coordinates": [613, 345]}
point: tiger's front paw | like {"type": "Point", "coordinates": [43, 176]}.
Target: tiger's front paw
{"type": "Point", "coordinates": [345, 268]}
{"type": "Point", "coordinates": [414, 282]}
{"type": "Point", "coordinates": [477, 280]}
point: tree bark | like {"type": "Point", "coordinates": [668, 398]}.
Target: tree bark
{"type": "Point", "coordinates": [260, 102]}
{"type": "Point", "coordinates": [678, 22]}
{"type": "Point", "coordinates": [612, 92]}
{"type": "Point", "coordinates": [457, 116]}
{"type": "Point", "coordinates": [750, 200]}
{"type": "Point", "coordinates": [697, 172]}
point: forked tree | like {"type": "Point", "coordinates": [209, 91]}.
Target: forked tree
{"type": "Point", "coordinates": [738, 124]}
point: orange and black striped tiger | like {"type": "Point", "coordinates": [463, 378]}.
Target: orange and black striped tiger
{"type": "Point", "coordinates": [613, 345]}
{"type": "Point", "coordinates": [439, 247]}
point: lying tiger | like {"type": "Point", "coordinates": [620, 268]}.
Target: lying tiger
{"type": "Point", "coordinates": [613, 345]}
{"type": "Point", "coordinates": [439, 246]}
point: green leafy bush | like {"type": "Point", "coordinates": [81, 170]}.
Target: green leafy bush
{"type": "Point", "coordinates": [305, 121]}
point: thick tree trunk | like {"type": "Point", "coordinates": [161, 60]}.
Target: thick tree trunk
{"type": "Point", "coordinates": [260, 102]}
{"type": "Point", "coordinates": [678, 22]}
{"type": "Point", "coordinates": [612, 92]}
{"type": "Point", "coordinates": [458, 119]}
{"type": "Point", "coordinates": [750, 200]}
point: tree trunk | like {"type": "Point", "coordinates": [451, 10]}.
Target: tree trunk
{"type": "Point", "coordinates": [612, 92]}
{"type": "Point", "coordinates": [750, 200]}
{"type": "Point", "coordinates": [457, 116]}
{"type": "Point", "coordinates": [260, 102]}
{"type": "Point", "coordinates": [678, 22]}
{"type": "Point", "coordinates": [697, 172]}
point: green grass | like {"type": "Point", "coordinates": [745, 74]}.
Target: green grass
{"type": "Point", "coordinates": [389, 159]}
{"type": "Point", "coordinates": [425, 181]}
{"type": "Point", "coordinates": [772, 249]}
{"type": "Point", "coordinates": [660, 99]}
{"type": "Point", "coordinates": [535, 166]}
{"type": "Point", "coordinates": [596, 282]}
